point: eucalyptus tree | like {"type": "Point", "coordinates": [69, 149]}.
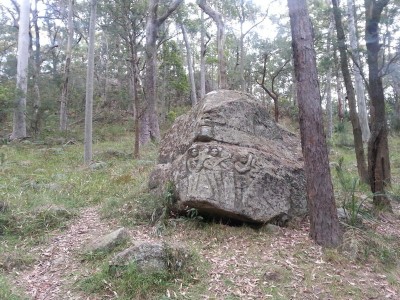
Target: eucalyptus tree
{"type": "Point", "coordinates": [202, 57]}
{"type": "Point", "coordinates": [149, 124]}
{"type": "Point", "coordinates": [126, 20]}
{"type": "Point", "coordinates": [329, 73]}
{"type": "Point", "coordinates": [378, 149]}
{"type": "Point", "coordinates": [8, 46]}
{"type": "Point", "coordinates": [351, 97]}
{"type": "Point", "coordinates": [276, 65]}
{"type": "Point", "coordinates": [193, 95]}
{"type": "Point", "coordinates": [358, 81]}
{"type": "Point", "coordinates": [247, 12]}
{"type": "Point", "coordinates": [8, 31]}
{"type": "Point", "coordinates": [324, 223]}
{"type": "Point", "coordinates": [19, 120]}
{"type": "Point", "coordinates": [38, 53]}
{"type": "Point", "coordinates": [88, 153]}
{"type": "Point", "coordinates": [175, 87]}
{"type": "Point", "coordinates": [219, 21]}
{"type": "Point", "coordinates": [66, 79]}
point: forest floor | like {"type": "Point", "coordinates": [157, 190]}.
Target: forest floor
{"type": "Point", "coordinates": [243, 263]}
{"type": "Point", "coordinates": [43, 255]}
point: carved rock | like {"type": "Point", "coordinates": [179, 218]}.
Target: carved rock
{"type": "Point", "coordinates": [228, 158]}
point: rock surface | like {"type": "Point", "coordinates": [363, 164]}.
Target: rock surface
{"type": "Point", "coordinates": [109, 241]}
{"type": "Point", "coordinates": [228, 158]}
{"type": "Point", "coordinates": [153, 256]}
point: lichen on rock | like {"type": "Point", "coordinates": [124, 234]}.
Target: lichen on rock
{"type": "Point", "coordinates": [228, 158]}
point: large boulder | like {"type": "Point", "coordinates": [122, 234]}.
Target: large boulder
{"type": "Point", "coordinates": [228, 158]}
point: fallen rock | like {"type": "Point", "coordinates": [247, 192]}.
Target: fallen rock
{"type": "Point", "coordinates": [228, 158]}
{"type": "Point", "coordinates": [109, 241]}
{"type": "Point", "coordinates": [153, 257]}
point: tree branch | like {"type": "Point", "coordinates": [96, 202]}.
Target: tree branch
{"type": "Point", "coordinates": [170, 10]}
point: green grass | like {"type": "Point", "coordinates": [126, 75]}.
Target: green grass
{"type": "Point", "coordinates": [6, 292]}
{"type": "Point", "coordinates": [128, 283]}
{"type": "Point", "coordinates": [35, 178]}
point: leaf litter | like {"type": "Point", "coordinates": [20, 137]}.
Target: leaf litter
{"type": "Point", "coordinates": [242, 263]}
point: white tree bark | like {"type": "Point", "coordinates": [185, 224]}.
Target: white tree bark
{"type": "Point", "coordinates": [202, 59]}
{"type": "Point", "coordinates": [329, 110]}
{"type": "Point", "coordinates": [193, 95]}
{"type": "Point", "coordinates": [217, 17]}
{"type": "Point", "coordinates": [358, 84]}
{"type": "Point", "coordinates": [19, 120]}
{"type": "Point", "coordinates": [64, 91]}
{"type": "Point", "coordinates": [88, 154]}
{"type": "Point", "coordinates": [149, 127]}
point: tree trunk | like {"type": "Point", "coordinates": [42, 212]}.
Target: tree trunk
{"type": "Point", "coordinates": [202, 59]}
{"type": "Point", "coordinates": [358, 81]}
{"type": "Point", "coordinates": [324, 223]}
{"type": "Point", "coordinates": [351, 97]}
{"type": "Point", "coordinates": [88, 154]}
{"type": "Point", "coordinates": [135, 82]}
{"type": "Point", "coordinates": [193, 95]}
{"type": "Point", "coordinates": [241, 46]}
{"type": "Point", "coordinates": [64, 91]}
{"type": "Point", "coordinates": [329, 110]}
{"type": "Point", "coordinates": [37, 103]}
{"type": "Point", "coordinates": [217, 17]}
{"type": "Point", "coordinates": [149, 126]}
{"type": "Point", "coordinates": [378, 149]}
{"type": "Point", "coordinates": [339, 90]}
{"type": "Point", "coordinates": [19, 120]}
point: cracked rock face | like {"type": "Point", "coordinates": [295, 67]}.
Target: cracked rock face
{"type": "Point", "coordinates": [228, 158]}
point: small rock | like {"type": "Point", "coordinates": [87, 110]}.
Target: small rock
{"type": "Point", "coordinates": [109, 241]}
{"type": "Point", "coordinates": [153, 257]}
{"type": "Point", "coordinates": [98, 165]}
{"type": "Point", "coordinates": [342, 215]}
{"type": "Point", "coordinates": [3, 206]}
{"type": "Point", "coordinates": [270, 228]}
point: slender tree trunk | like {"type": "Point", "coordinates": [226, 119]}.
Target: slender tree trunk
{"type": "Point", "coordinates": [324, 223]}
{"type": "Point", "coordinates": [358, 81]}
{"type": "Point", "coordinates": [105, 101]}
{"type": "Point", "coordinates": [241, 46]}
{"type": "Point", "coordinates": [37, 102]}
{"type": "Point", "coordinates": [64, 91]}
{"type": "Point", "coordinates": [149, 120]}
{"type": "Point", "coordinates": [351, 97]}
{"type": "Point", "coordinates": [378, 149]}
{"type": "Point", "coordinates": [135, 82]}
{"type": "Point", "coordinates": [193, 95]}
{"type": "Point", "coordinates": [19, 120]}
{"type": "Point", "coordinates": [217, 17]}
{"type": "Point", "coordinates": [88, 153]}
{"type": "Point", "coordinates": [202, 59]}
{"type": "Point", "coordinates": [339, 90]}
{"type": "Point", "coordinates": [149, 126]}
{"type": "Point", "coordinates": [329, 110]}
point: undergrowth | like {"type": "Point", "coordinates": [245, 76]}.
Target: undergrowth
{"type": "Point", "coordinates": [43, 185]}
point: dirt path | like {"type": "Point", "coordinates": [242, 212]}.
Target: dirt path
{"type": "Point", "coordinates": [243, 263]}
{"type": "Point", "coordinates": [59, 264]}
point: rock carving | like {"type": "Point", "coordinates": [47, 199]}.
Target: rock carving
{"type": "Point", "coordinates": [227, 157]}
